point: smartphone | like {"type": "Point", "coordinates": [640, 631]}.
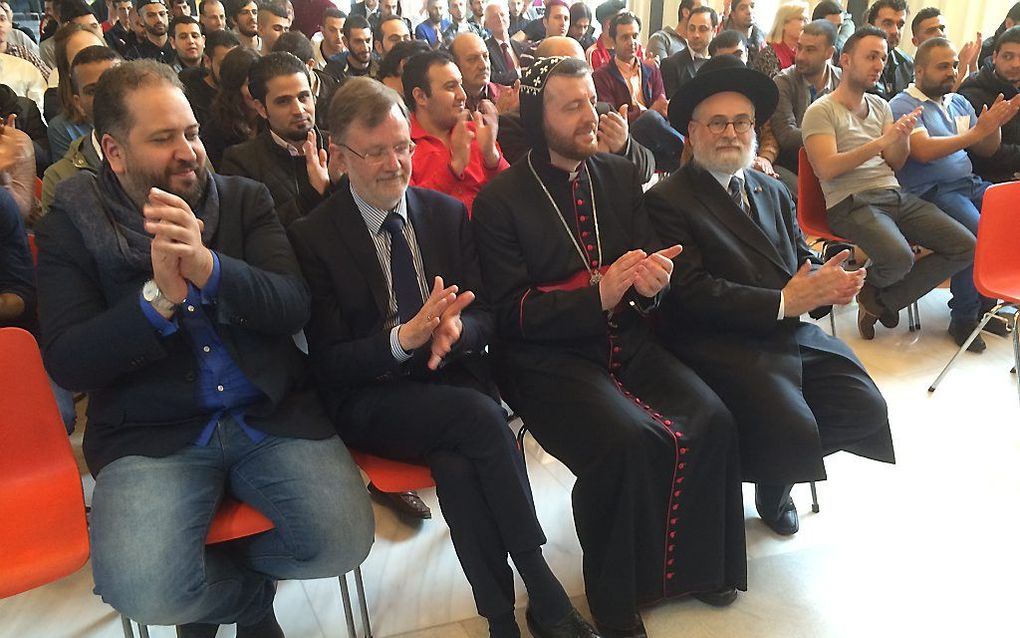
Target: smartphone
{"type": "Point", "coordinates": [603, 108]}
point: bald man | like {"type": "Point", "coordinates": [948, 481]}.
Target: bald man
{"type": "Point", "coordinates": [614, 132]}
{"type": "Point", "coordinates": [472, 58]}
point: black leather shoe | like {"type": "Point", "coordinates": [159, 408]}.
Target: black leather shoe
{"type": "Point", "coordinates": [197, 630]}
{"type": "Point", "coordinates": [994, 326]}
{"type": "Point", "coordinates": [635, 631]}
{"type": "Point", "coordinates": [776, 508]}
{"type": "Point", "coordinates": [571, 626]}
{"type": "Point", "coordinates": [719, 598]}
{"type": "Point", "coordinates": [960, 331]}
{"type": "Point", "coordinates": [405, 503]}
{"type": "Point", "coordinates": [268, 627]}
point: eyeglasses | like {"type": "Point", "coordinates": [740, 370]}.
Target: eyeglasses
{"type": "Point", "coordinates": [381, 154]}
{"type": "Point", "coordinates": [717, 125]}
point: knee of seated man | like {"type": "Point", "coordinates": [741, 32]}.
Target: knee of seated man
{"type": "Point", "coordinates": [338, 537]}
{"type": "Point", "coordinates": [151, 596]}
{"type": "Point", "coordinates": [894, 265]}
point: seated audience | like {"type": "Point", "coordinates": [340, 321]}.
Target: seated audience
{"type": "Point", "coordinates": [456, 151]}
{"type": "Point", "coordinates": [434, 25]}
{"type": "Point", "coordinates": [472, 59]}
{"type": "Point", "coordinates": [521, 15]}
{"type": "Point", "coordinates": [156, 44]}
{"type": "Point", "coordinates": [188, 42]}
{"type": "Point", "coordinates": [288, 156]}
{"type": "Point", "coordinates": [613, 134]}
{"type": "Point", "coordinates": [17, 272]}
{"type": "Point", "coordinates": [70, 11]}
{"type": "Point", "coordinates": [667, 41]}
{"type": "Point", "coordinates": [273, 21]}
{"type": "Point", "coordinates": [600, 53]}
{"type": "Point", "coordinates": [504, 52]}
{"type": "Point", "coordinates": [17, 169]}
{"type": "Point", "coordinates": [322, 84]}
{"type": "Point", "coordinates": [84, 153]}
{"type": "Point", "coordinates": [233, 116]}
{"type": "Point", "coordinates": [812, 76]}
{"type": "Point", "coordinates": [391, 68]}
{"type": "Point", "coordinates": [891, 16]}
{"type": "Point", "coordinates": [729, 42]}
{"type": "Point", "coordinates": [179, 8]}
{"type": "Point", "coordinates": [126, 32]}
{"type": "Point", "coordinates": [358, 59]}
{"type": "Point", "coordinates": [855, 146]}
{"type": "Point", "coordinates": [789, 22]}
{"type": "Point", "coordinates": [187, 300]}
{"type": "Point", "coordinates": [939, 169]}
{"type": "Point", "coordinates": [633, 87]}
{"type": "Point", "coordinates": [365, 9]}
{"type": "Point", "coordinates": [460, 24]}
{"type": "Point", "coordinates": [245, 18]}
{"type": "Point", "coordinates": [743, 251]}
{"type": "Point", "coordinates": [741, 18]}
{"type": "Point", "coordinates": [580, 27]}
{"type": "Point", "coordinates": [328, 43]}
{"type": "Point", "coordinates": [308, 15]}
{"type": "Point", "coordinates": [14, 49]}
{"type": "Point", "coordinates": [20, 35]}
{"type": "Point", "coordinates": [388, 32]}
{"type": "Point", "coordinates": [389, 8]}
{"type": "Point", "coordinates": [1000, 77]}
{"type": "Point", "coordinates": [841, 20]}
{"type": "Point", "coordinates": [426, 392]}
{"type": "Point", "coordinates": [928, 23]}
{"type": "Point", "coordinates": [988, 45]}
{"type": "Point", "coordinates": [201, 83]}
{"type": "Point", "coordinates": [572, 347]}
{"type": "Point", "coordinates": [70, 123]}
{"type": "Point", "coordinates": [23, 78]}
{"type": "Point", "coordinates": [27, 118]}
{"type": "Point", "coordinates": [212, 16]}
{"type": "Point", "coordinates": [680, 67]}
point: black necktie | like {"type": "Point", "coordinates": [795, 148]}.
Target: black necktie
{"type": "Point", "coordinates": [736, 191]}
{"type": "Point", "coordinates": [405, 278]}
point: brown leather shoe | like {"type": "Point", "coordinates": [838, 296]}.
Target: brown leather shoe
{"type": "Point", "coordinates": [866, 323]}
{"type": "Point", "coordinates": [404, 503]}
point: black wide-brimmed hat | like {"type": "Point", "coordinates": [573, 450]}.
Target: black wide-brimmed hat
{"type": "Point", "coordinates": [721, 74]}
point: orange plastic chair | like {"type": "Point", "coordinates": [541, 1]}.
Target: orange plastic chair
{"type": "Point", "coordinates": [997, 266]}
{"type": "Point", "coordinates": [811, 217]}
{"type": "Point", "coordinates": [33, 248]}
{"type": "Point", "coordinates": [393, 476]}
{"type": "Point", "coordinates": [43, 532]}
{"type": "Point", "coordinates": [38, 189]}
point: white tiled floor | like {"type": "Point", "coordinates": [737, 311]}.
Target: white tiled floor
{"type": "Point", "coordinates": [926, 548]}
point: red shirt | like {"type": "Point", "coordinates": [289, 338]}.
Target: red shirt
{"type": "Point", "coordinates": [787, 56]}
{"type": "Point", "coordinates": [430, 166]}
{"type": "Point", "coordinates": [599, 55]}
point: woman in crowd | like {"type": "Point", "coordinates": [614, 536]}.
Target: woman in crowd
{"type": "Point", "coordinates": [232, 117]}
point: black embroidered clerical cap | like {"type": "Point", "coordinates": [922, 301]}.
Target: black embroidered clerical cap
{"type": "Point", "coordinates": [721, 74]}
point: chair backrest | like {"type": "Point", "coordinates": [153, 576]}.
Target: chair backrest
{"type": "Point", "coordinates": [33, 248]}
{"type": "Point", "coordinates": [811, 201]}
{"type": "Point", "coordinates": [997, 256]}
{"type": "Point", "coordinates": [393, 476]}
{"type": "Point", "coordinates": [43, 535]}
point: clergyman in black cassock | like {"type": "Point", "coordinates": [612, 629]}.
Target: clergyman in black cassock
{"type": "Point", "coordinates": [657, 501]}
{"type": "Point", "coordinates": [797, 393]}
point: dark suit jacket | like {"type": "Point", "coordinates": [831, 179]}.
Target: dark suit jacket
{"type": "Point", "coordinates": [349, 345]}
{"type": "Point", "coordinates": [500, 73]}
{"type": "Point", "coordinates": [720, 314]}
{"type": "Point", "coordinates": [677, 70]}
{"type": "Point", "coordinates": [265, 161]}
{"type": "Point", "coordinates": [612, 88]}
{"type": "Point", "coordinates": [96, 339]}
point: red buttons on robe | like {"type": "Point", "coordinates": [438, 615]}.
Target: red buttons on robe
{"type": "Point", "coordinates": [683, 450]}
{"type": "Point", "coordinates": [590, 247]}
{"type": "Point", "coordinates": [671, 548]}
{"type": "Point", "coordinates": [667, 422]}
{"type": "Point", "coordinates": [582, 218]}
{"type": "Point", "coordinates": [594, 263]}
{"type": "Point", "coordinates": [678, 434]}
{"type": "Point", "coordinates": [675, 507]}
{"type": "Point", "coordinates": [616, 348]}
{"type": "Point", "coordinates": [580, 202]}
{"type": "Point", "coordinates": [669, 575]}
{"type": "Point", "coordinates": [584, 233]}
{"type": "Point", "coordinates": [681, 466]}
{"type": "Point", "coordinates": [670, 561]}
{"type": "Point", "coordinates": [672, 534]}
{"type": "Point", "coordinates": [672, 521]}
{"type": "Point", "coordinates": [676, 493]}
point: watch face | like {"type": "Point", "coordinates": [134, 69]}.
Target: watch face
{"type": "Point", "coordinates": [150, 291]}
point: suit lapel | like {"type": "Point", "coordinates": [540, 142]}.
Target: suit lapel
{"type": "Point", "coordinates": [772, 222]}
{"type": "Point", "coordinates": [354, 234]}
{"type": "Point", "coordinates": [718, 203]}
{"type": "Point", "coordinates": [418, 214]}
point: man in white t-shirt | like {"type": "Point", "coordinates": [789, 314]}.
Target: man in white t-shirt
{"type": "Point", "coordinates": [855, 146]}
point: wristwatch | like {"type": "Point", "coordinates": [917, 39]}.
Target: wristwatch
{"type": "Point", "coordinates": [152, 294]}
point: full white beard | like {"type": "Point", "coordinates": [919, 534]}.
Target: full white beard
{"type": "Point", "coordinates": [728, 164]}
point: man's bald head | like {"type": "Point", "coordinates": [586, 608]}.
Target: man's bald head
{"type": "Point", "coordinates": [472, 58]}
{"type": "Point", "coordinates": [558, 45]}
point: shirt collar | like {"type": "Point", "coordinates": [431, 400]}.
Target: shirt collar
{"type": "Point", "coordinates": [919, 95]}
{"type": "Point", "coordinates": [724, 178]}
{"type": "Point", "coordinates": [294, 151]}
{"type": "Point", "coordinates": [373, 216]}
{"type": "Point", "coordinates": [96, 145]}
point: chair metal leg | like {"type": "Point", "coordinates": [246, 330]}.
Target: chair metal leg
{"type": "Point", "coordinates": [143, 631]}
{"type": "Point", "coordinates": [832, 320]}
{"type": "Point", "coordinates": [814, 499]}
{"type": "Point", "coordinates": [520, 441]}
{"type": "Point", "coordinates": [345, 596]}
{"type": "Point", "coordinates": [129, 631]}
{"type": "Point", "coordinates": [360, 585]}
{"type": "Point", "coordinates": [913, 317]}
{"type": "Point", "coordinates": [1016, 349]}
{"type": "Point", "coordinates": [966, 344]}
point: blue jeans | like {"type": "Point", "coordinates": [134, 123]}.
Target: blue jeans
{"type": "Point", "coordinates": [150, 517]}
{"type": "Point", "coordinates": [65, 405]}
{"type": "Point", "coordinates": [961, 200]}
{"type": "Point", "coordinates": [652, 131]}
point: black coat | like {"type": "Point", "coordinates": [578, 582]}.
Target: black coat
{"type": "Point", "coordinates": [981, 89]}
{"type": "Point", "coordinates": [720, 316]}
{"type": "Point", "coordinates": [346, 336]}
{"type": "Point", "coordinates": [500, 73]}
{"type": "Point", "coordinates": [265, 161]}
{"type": "Point", "coordinates": [677, 70]}
{"type": "Point", "coordinates": [30, 121]}
{"type": "Point", "coordinates": [95, 337]}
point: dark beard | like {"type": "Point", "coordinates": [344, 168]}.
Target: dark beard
{"type": "Point", "coordinates": [565, 145]}
{"type": "Point", "coordinates": [138, 185]}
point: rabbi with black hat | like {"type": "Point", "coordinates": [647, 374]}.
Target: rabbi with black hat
{"type": "Point", "coordinates": [738, 291]}
{"type": "Point", "coordinates": [572, 269]}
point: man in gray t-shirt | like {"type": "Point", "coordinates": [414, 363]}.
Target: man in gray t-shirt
{"type": "Point", "coordinates": [854, 147]}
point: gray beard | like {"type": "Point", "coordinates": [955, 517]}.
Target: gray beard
{"type": "Point", "coordinates": [727, 165]}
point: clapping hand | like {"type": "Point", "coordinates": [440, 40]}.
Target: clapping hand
{"type": "Point", "coordinates": [653, 272]}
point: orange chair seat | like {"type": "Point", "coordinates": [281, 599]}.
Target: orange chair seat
{"type": "Point", "coordinates": [393, 476]}
{"type": "Point", "coordinates": [235, 520]}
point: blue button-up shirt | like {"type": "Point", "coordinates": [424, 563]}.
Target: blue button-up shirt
{"type": "Point", "coordinates": [222, 388]}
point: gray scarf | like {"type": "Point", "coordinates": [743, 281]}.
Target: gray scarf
{"type": "Point", "coordinates": [113, 227]}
